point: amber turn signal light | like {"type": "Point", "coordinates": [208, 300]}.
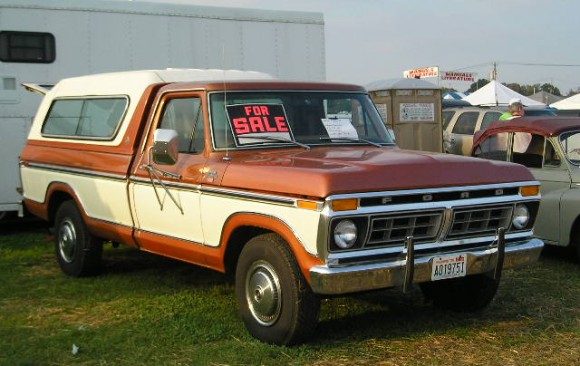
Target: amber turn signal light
{"type": "Point", "coordinates": [530, 191]}
{"type": "Point", "coordinates": [345, 204]}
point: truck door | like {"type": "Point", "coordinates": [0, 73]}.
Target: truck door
{"type": "Point", "coordinates": [165, 198]}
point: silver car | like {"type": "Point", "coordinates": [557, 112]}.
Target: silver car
{"type": "Point", "coordinates": [461, 123]}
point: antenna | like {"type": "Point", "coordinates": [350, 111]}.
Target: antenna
{"type": "Point", "coordinates": [227, 157]}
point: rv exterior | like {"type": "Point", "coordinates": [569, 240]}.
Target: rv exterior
{"type": "Point", "coordinates": [44, 41]}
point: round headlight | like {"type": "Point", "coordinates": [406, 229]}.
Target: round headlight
{"type": "Point", "coordinates": [521, 217]}
{"type": "Point", "coordinates": [345, 234]}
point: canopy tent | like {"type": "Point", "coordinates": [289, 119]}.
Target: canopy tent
{"type": "Point", "coordinates": [545, 97]}
{"type": "Point", "coordinates": [496, 94]}
{"type": "Point", "coordinates": [451, 95]}
{"type": "Point", "coordinates": [570, 103]}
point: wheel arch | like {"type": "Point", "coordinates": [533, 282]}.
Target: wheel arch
{"type": "Point", "coordinates": [241, 227]}
{"type": "Point", "coordinates": [56, 194]}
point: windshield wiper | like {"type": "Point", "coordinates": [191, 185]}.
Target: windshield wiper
{"type": "Point", "coordinates": [351, 139]}
{"type": "Point", "coordinates": [281, 139]}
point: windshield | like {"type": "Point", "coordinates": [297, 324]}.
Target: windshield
{"type": "Point", "coordinates": [309, 118]}
{"type": "Point", "coordinates": [570, 142]}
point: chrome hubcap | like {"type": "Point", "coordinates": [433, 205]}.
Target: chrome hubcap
{"type": "Point", "coordinates": [263, 293]}
{"type": "Point", "coordinates": [67, 238]}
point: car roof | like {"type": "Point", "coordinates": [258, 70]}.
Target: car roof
{"type": "Point", "coordinates": [544, 125]}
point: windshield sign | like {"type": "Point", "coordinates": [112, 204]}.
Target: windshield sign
{"type": "Point", "coordinates": [254, 123]}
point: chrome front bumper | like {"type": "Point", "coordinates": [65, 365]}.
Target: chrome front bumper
{"type": "Point", "coordinates": [349, 279]}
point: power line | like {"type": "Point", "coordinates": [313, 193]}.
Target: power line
{"type": "Point", "coordinates": [536, 64]}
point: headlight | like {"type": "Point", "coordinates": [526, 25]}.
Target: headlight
{"type": "Point", "coordinates": [521, 217]}
{"type": "Point", "coordinates": [345, 234]}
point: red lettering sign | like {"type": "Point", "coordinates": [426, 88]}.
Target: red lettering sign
{"type": "Point", "coordinates": [249, 121]}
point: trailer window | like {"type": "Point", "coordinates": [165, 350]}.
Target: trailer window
{"type": "Point", "coordinates": [91, 118]}
{"type": "Point", "coordinates": [33, 47]}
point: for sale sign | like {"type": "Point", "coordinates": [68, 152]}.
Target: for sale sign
{"type": "Point", "coordinates": [259, 123]}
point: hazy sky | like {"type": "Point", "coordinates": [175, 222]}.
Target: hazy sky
{"type": "Point", "coordinates": [532, 41]}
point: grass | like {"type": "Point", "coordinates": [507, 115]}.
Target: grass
{"type": "Point", "coordinates": [149, 310]}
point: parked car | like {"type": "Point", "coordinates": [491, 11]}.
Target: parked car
{"type": "Point", "coordinates": [550, 148]}
{"type": "Point", "coordinates": [460, 123]}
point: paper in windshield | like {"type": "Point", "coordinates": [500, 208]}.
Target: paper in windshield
{"type": "Point", "coordinates": [339, 128]}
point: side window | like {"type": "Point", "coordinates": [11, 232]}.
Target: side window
{"type": "Point", "coordinates": [494, 147]}
{"type": "Point", "coordinates": [551, 157]}
{"type": "Point", "coordinates": [488, 118]}
{"type": "Point", "coordinates": [465, 124]}
{"type": "Point", "coordinates": [90, 118]}
{"type": "Point", "coordinates": [528, 149]}
{"type": "Point", "coordinates": [33, 47]}
{"type": "Point", "coordinates": [184, 116]}
{"type": "Point", "coordinates": [447, 116]}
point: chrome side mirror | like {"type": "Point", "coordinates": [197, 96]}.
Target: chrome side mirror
{"type": "Point", "coordinates": [165, 146]}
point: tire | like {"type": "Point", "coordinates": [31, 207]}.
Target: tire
{"type": "Point", "coordinates": [78, 252]}
{"type": "Point", "coordinates": [469, 294]}
{"type": "Point", "coordinates": [276, 304]}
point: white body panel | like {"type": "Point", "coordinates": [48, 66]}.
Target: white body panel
{"type": "Point", "coordinates": [102, 198]}
{"type": "Point", "coordinates": [96, 36]}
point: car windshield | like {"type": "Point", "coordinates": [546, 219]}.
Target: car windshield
{"type": "Point", "coordinates": [307, 118]}
{"type": "Point", "coordinates": [570, 142]}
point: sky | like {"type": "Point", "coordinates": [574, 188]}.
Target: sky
{"type": "Point", "coordinates": [530, 41]}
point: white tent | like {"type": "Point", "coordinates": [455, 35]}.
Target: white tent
{"type": "Point", "coordinates": [569, 103]}
{"type": "Point", "coordinates": [494, 93]}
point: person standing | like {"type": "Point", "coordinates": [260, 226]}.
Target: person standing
{"type": "Point", "coordinates": [515, 109]}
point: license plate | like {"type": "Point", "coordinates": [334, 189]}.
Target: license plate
{"type": "Point", "coordinates": [449, 266]}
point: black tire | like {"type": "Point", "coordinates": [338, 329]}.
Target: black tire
{"type": "Point", "coordinates": [471, 293]}
{"type": "Point", "coordinates": [276, 304]}
{"type": "Point", "coordinates": [78, 252]}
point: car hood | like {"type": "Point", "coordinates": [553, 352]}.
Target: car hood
{"type": "Point", "coordinates": [321, 172]}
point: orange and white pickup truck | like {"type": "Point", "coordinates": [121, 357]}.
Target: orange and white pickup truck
{"type": "Point", "coordinates": [295, 188]}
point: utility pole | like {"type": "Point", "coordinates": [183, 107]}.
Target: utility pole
{"type": "Point", "coordinates": [493, 75]}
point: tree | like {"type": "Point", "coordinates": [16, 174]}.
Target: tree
{"type": "Point", "coordinates": [550, 89]}
{"type": "Point", "coordinates": [477, 85]}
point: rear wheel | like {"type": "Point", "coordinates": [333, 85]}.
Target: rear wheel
{"type": "Point", "coordinates": [471, 293]}
{"type": "Point", "coordinates": [276, 304]}
{"type": "Point", "coordinates": [78, 252]}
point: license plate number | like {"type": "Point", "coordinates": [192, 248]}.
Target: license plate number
{"type": "Point", "coordinates": [449, 266]}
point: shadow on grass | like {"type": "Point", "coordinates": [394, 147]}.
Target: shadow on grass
{"type": "Point", "coordinates": [564, 254]}
{"type": "Point", "coordinates": [387, 314]}
{"type": "Point", "coordinates": [123, 261]}
{"type": "Point", "coordinates": [25, 225]}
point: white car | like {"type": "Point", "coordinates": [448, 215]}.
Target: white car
{"type": "Point", "coordinates": [461, 123]}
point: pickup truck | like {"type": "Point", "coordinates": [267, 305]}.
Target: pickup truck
{"type": "Point", "coordinates": [295, 188]}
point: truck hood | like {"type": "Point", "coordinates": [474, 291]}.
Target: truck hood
{"type": "Point", "coordinates": [321, 171]}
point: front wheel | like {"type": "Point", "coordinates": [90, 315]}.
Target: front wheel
{"type": "Point", "coordinates": [471, 293]}
{"type": "Point", "coordinates": [78, 252]}
{"type": "Point", "coordinates": [276, 304]}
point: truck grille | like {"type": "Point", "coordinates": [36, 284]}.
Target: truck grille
{"type": "Point", "coordinates": [426, 226]}
{"type": "Point", "coordinates": [394, 229]}
{"type": "Point", "coordinates": [479, 221]}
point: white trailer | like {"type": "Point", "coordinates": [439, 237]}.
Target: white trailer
{"type": "Point", "coordinates": [43, 41]}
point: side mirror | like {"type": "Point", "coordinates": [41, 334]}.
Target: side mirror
{"type": "Point", "coordinates": [165, 146]}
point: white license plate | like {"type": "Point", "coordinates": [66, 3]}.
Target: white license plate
{"type": "Point", "coordinates": [449, 266]}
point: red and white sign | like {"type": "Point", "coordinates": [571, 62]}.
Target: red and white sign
{"type": "Point", "coordinates": [458, 76]}
{"type": "Point", "coordinates": [256, 123]}
{"type": "Point", "coordinates": [425, 72]}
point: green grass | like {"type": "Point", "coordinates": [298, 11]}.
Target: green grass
{"type": "Point", "coordinates": [149, 310]}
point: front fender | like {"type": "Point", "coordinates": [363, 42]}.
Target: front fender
{"type": "Point", "coordinates": [569, 213]}
{"type": "Point", "coordinates": [236, 221]}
